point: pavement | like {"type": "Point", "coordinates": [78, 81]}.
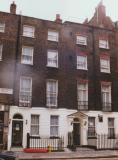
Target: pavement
{"type": "Point", "coordinates": [80, 153]}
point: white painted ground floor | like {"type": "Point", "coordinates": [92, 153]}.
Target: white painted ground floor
{"type": "Point", "coordinates": [45, 123]}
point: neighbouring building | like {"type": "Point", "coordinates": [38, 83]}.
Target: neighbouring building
{"type": "Point", "coordinates": [58, 79]}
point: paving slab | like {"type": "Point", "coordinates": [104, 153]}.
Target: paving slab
{"type": "Point", "coordinates": [80, 153]}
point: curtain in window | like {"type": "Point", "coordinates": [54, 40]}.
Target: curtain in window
{"type": "Point", "coordinates": [27, 55]}
{"type": "Point", "coordinates": [52, 93]}
{"type": "Point", "coordinates": [28, 31]}
{"type": "Point", "coordinates": [34, 124]}
{"type": "Point", "coordinates": [106, 93]}
{"type": "Point", "coordinates": [25, 84]}
{"type": "Point", "coordinates": [52, 58]}
{"type": "Point", "coordinates": [54, 125]}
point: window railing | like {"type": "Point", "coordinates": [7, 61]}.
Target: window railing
{"type": "Point", "coordinates": [106, 106]}
{"type": "Point", "coordinates": [51, 101]}
{"type": "Point", "coordinates": [25, 99]}
{"type": "Point", "coordinates": [52, 62]}
{"type": "Point", "coordinates": [82, 105]}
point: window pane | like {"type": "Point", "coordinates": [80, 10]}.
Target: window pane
{"type": "Point", "coordinates": [25, 84]}
{"type": "Point", "coordinates": [81, 40]}
{"type": "Point", "coordinates": [52, 58]}
{"type": "Point", "coordinates": [83, 92]}
{"type": "Point", "coordinates": [106, 93]}
{"type": "Point", "coordinates": [54, 122]}
{"type": "Point", "coordinates": [34, 124]}
{"type": "Point", "coordinates": [52, 93]}
{"type": "Point", "coordinates": [81, 62]}
{"type": "Point", "coordinates": [28, 31]}
{"type": "Point", "coordinates": [105, 65]}
{"type": "Point", "coordinates": [103, 44]}
{"type": "Point", "coordinates": [91, 126]}
{"type": "Point", "coordinates": [53, 35]}
{"type": "Point", "coordinates": [2, 27]}
{"type": "Point", "coordinates": [111, 130]}
{"type": "Point", "coordinates": [27, 55]}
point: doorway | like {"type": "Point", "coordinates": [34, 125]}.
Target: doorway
{"type": "Point", "coordinates": [76, 132]}
{"type": "Point", "coordinates": [17, 130]}
{"type": "Point", "coordinates": [1, 126]}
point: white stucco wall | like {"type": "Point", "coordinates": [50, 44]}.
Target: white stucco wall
{"type": "Point", "coordinates": [65, 124]}
{"type": "Point", "coordinates": [44, 126]}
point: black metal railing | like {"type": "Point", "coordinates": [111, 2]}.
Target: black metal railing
{"type": "Point", "coordinates": [82, 105]}
{"type": "Point", "coordinates": [55, 143]}
{"type": "Point", "coordinates": [106, 142]}
{"type": "Point", "coordinates": [70, 139]}
{"type": "Point", "coordinates": [106, 106]}
{"type": "Point", "coordinates": [51, 100]}
{"type": "Point", "coordinates": [25, 100]}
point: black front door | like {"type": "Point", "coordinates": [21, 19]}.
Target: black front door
{"type": "Point", "coordinates": [1, 126]}
{"type": "Point", "coordinates": [17, 133]}
{"type": "Point", "coordinates": [76, 133]}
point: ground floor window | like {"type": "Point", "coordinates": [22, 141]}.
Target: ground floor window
{"type": "Point", "coordinates": [91, 127]}
{"type": "Point", "coordinates": [111, 130]}
{"type": "Point", "coordinates": [54, 126]}
{"type": "Point", "coordinates": [34, 124]}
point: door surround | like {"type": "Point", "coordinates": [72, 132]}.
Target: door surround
{"type": "Point", "coordinates": [17, 130]}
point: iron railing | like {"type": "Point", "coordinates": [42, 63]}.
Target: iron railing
{"type": "Point", "coordinates": [25, 100]}
{"type": "Point", "coordinates": [82, 105]}
{"type": "Point", "coordinates": [106, 106]}
{"type": "Point", "coordinates": [55, 143]}
{"type": "Point", "coordinates": [106, 142]}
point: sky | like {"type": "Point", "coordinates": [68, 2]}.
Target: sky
{"type": "Point", "coordinates": [70, 10]}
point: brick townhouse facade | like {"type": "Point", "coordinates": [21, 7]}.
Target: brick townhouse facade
{"type": "Point", "coordinates": [57, 78]}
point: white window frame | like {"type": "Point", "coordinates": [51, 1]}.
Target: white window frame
{"type": "Point", "coordinates": [82, 62]}
{"type": "Point", "coordinates": [91, 127]}
{"type": "Point", "coordinates": [1, 50]}
{"type": "Point", "coordinates": [52, 62]}
{"type": "Point", "coordinates": [23, 61]}
{"type": "Point", "coordinates": [29, 93]}
{"type": "Point", "coordinates": [27, 33]}
{"type": "Point", "coordinates": [81, 39]}
{"type": "Point", "coordinates": [53, 35]}
{"type": "Point", "coordinates": [54, 125]}
{"type": "Point", "coordinates": [82, 95]}
{"type": "Point", "coordinates": [52, 95]}
{"type": "Point", "coordinates": [35, 125]}
{"type": "Point", "coordinates": [111, 127]}
{"type": "Point", "coordinates": [105, 65]}
{"type": "Point", "coordinates": [106, 92]}
{"type": "Point", "coordinates": [103, 43]}
{"type": "Point", "coordinates": [2, 27]}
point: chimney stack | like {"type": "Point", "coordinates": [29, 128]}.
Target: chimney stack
{"type": "Point", "coordinates": [58, 19]}
{"type": "Point", "coordinates": [13, 8]}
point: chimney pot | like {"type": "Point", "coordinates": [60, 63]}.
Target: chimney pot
{"type": "Point", "coordinates": [58, 19]}
{"type": "Point", "coordinates": [13, 8]}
